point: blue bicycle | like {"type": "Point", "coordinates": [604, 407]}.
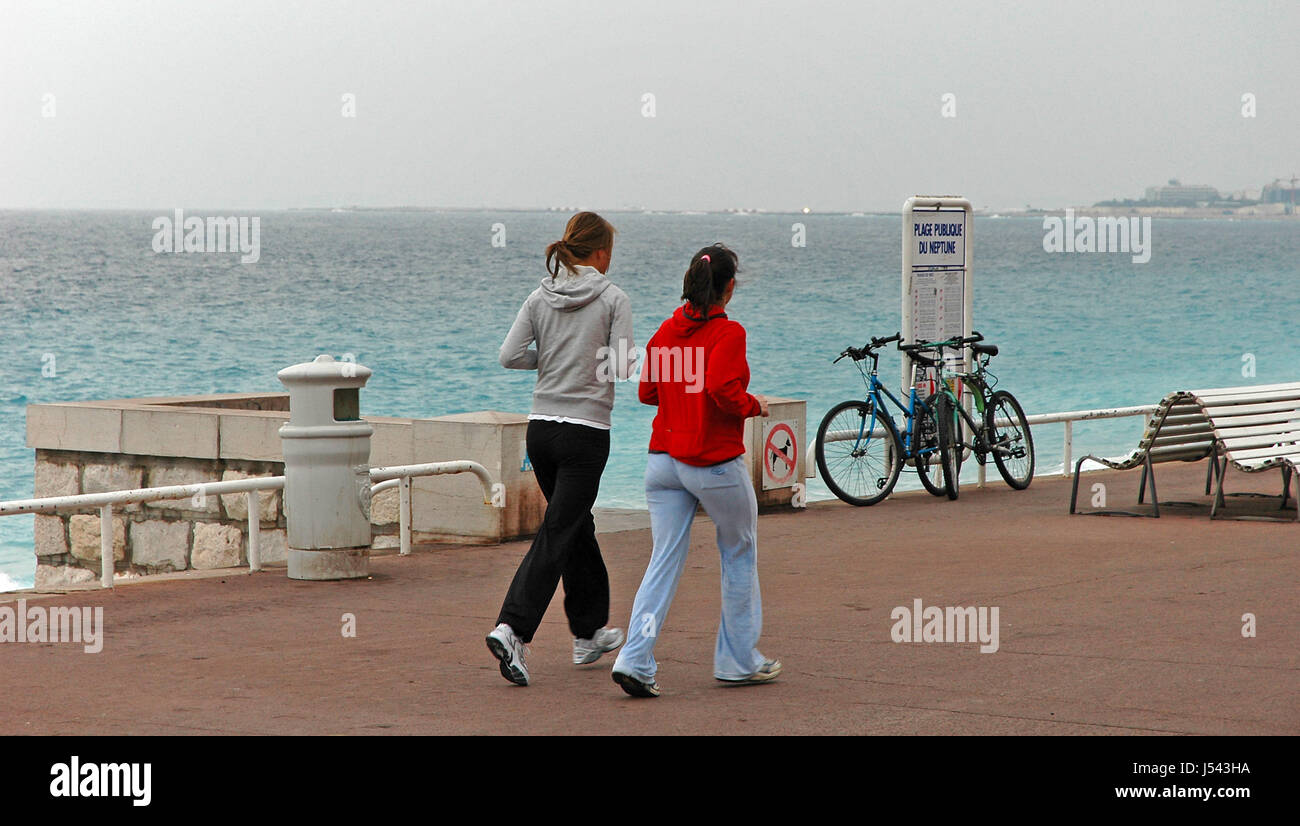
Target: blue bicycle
{"type": "Point", "coordinates": [861, 450]}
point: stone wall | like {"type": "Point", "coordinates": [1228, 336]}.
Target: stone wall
{"type": "Point", "coordinates": [153, 537]}
{"type": "Point", "coordinates": [171, 535]}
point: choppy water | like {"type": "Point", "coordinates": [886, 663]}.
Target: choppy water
{"type": "Point", "coordinates": [424, 299]}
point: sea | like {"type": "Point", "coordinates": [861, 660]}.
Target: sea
{"type": "Point", "coordinates": [89, 310]}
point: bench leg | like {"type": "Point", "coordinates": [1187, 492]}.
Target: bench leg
{"type": "Point", "coordinates": [1296, 475]}
{"type": "Point", "coordinates": [1218, 492]}
{"type": "Point", "coordinates": [1149, 478]}
{"type": "Point", "coordinates": [1210, 473]}
{"type": "Point", "coordinates": [1286, 486]}
{"type": "Point", "coordinates": [1074, 489]}
{"type": "Point", "coordinates": [1142, 486]}
{"type": "Point", "coordinates": [1218, 496]}
{"type": "Point", "coordinates": [1147, 472]}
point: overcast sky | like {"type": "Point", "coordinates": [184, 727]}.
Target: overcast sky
{"type": "Point", "coordinates": [833, 106]}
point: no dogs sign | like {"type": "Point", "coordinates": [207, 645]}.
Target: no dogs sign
{"type": "Point", "coordinates": [780, 455]}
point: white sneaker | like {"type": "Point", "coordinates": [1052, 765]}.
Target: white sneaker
{"type": "Point", "coordinates": [588, 651]}
{"type": "Point", "coordinates": [509, 649]}
{"type": "Point", "coordinates": [770, 670]}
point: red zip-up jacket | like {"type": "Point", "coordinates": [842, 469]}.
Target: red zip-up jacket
{"type": "Point", "coordinates": [695, 371]}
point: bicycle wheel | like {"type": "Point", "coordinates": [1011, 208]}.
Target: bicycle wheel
{"type": "Point", "coordinates": [858, 453]}
{"type": "Point", "coordinates": [1012, 444]}
{"type": "Point", "coordinates": [950, 449]}
{"type": "Point", "coordinates": [925, 448]}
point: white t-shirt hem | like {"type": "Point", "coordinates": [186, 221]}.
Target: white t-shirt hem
{"type": "Point", "coordinates": [567, 420]}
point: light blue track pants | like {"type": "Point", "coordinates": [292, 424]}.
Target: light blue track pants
{"type": "Point", "coordinates": [672, 490]}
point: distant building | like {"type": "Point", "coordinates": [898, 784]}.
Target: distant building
{"type": "Point", "coordinates": [1280, 192]}
{"type": "Point", "coordinates": [1178, 194]}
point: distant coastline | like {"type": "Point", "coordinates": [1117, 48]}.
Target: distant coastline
{"type": "Point", "coordinates": [1194, 213]}
{"type": "Point", "coordinates": [1199, 213]}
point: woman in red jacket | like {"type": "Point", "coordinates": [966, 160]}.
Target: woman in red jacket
{"type": "Point", "coordinates": [696, 373]}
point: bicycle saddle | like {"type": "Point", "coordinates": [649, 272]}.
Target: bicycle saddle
{"type": "Point", "coordinates": [984, 349]}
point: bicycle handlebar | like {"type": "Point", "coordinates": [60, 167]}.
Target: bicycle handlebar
{"type": "Point", "coordinates": [952, 343]}
{"type": "Point", "coordinates": [913, 349]}
{"type": "Point", "coordinates": [859, 353]}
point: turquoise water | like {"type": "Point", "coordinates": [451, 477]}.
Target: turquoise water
{"type": "Point", "coordinates": [424, 299]}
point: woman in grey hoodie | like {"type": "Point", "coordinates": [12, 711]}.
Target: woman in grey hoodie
{"type": "Point", "coordinates": [580, 322]}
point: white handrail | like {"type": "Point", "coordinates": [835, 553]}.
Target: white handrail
{"type": "Point", "coordinates": [1067, 417]}
{"type": "Point", "coordinates": [105, 502]}
{"type": "Point", "coordinates": [51, 504]}
{"type": "Point", "coordinates": [383, 478]}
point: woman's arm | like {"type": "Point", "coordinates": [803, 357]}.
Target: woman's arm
{"type": "Point", "coordinates": [620, 336]}
{"type": "Point", "coordinates": [647, 390]}
{"type": "Point", "coordinates": [724, 380]}
{"type": "Point", "coordinates": [515, 353]}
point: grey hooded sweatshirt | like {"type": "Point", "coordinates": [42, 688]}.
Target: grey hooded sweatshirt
{"type": "Point", "coordinates": [582, 324]}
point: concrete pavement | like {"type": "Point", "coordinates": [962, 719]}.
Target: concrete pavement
{"type": "Point", "coordinates": [1107, 625]}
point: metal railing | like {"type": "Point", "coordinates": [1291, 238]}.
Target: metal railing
{"type": "Point", "coordinates": [386, 477]}
{"type": "Point", "coordinates": [399, 476]}
{"type": "Point", "coordinates": [1068, 418]}
{"type": "Point", "coordinates": [106, 501]}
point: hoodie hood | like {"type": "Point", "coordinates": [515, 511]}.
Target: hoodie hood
{"type": "Point", "coordinates": [572, 291]}
{"type": "Point", "coordinates": [686, 323]}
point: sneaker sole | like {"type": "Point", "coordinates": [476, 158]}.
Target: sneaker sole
{"type": "Point", "coordinates": [634, 686]}
{"type": "Point", "coordinates": [512, 673]}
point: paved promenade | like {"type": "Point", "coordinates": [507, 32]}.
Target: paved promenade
{"type": "Point", "coordinates": [1107, 625]}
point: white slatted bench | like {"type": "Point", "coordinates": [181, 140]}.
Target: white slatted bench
{"type": "Point", "coordinates": [1256, 429]}
{"type": "Point", "coordinates": [1176, 432]}
{"type": "Point", "coordinates": [1252, 428]}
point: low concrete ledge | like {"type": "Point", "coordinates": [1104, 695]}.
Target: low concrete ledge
{"type": "Point", "coordinates": [451, 507]}
{"type": "Point", "coordinates": [252, 435]}
{"type": "Point", "coordinates": [78, 426]}
{"type": "Point", "coordinates": [158, 430]}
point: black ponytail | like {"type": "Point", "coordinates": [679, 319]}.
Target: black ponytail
{"type": "Point", "coordinates": [711, 269]}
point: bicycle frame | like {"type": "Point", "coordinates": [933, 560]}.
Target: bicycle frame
{"type": "Point", "coordinates": [980, 392]}
{"type": "Point", "coordinates": [915, 406]}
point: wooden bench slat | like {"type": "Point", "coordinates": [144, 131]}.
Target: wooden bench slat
{"type": "Point", "coordinates": [1264, 452]}
{"type": "Point", "coordinates": [1254, 388]}
{"type": "Point", "coordinates": [1280, 441]}
{"type": "Point", "coordinates": [1241, 409]}
{"type": "Point", "coordinates": [1186, 453]}
{"type": "Point", "coordinates": [1203, 428]}
{"type": "Point", "coordinates": [1225, 433]}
